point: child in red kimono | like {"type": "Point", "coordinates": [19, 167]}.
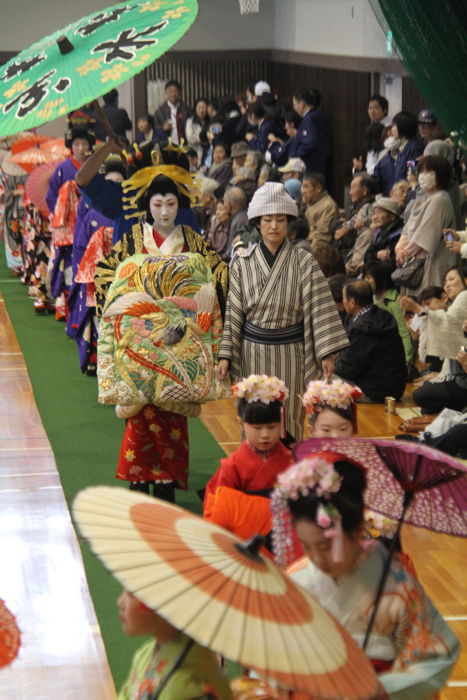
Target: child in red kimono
{"type": "Point", "coordinates": [254, 467]}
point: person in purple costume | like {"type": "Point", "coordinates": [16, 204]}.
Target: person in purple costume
{"type": "Point", "coordinates": [81, 323]}
{"type": "Point", "coordinates": [106, 196]}
{"type": "Point", "coordinates": [79, 139]}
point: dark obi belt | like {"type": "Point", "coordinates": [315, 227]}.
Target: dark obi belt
{"type": "Point", "coordinates": [273, 336]}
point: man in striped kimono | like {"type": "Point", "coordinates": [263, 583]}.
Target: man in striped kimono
{"type": "Point", "coordinates": [281, 319]}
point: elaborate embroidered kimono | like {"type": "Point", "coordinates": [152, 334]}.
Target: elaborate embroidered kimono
{"type": "Point", "coordinates": [410, 643]}
{"type": "Point", "coordinates": [199, 677]}
{"type": "Point", "coordinates": [60, 274]}
{"type": "Point", "coordinates": [100, 244]}
{"type": "Point", "coordinates": [36, 254]}
{"type": "Point", "coordinates": [167, 459]}
{"type": "Point", "coordinates": [13, 221]}
{"type": "Point", "coordinates": [140, 240]}
{"type": "Point", "coordinates": [280, 320]}
{"type": "Point", "coordinates": [81, 322]}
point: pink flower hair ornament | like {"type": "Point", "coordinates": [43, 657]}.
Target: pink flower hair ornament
{"type": "Point", "coordinates": [260, 387]}
{"type": "Point", "coordinates": [337, 394]}
{"type": "Point", "coordinates": [311, 475]}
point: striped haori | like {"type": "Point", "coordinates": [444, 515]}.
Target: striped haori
{"type": "Point", "coordinates": [273, 336]}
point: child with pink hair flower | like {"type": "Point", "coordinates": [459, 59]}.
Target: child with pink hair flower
{"type": "Point", "coordinates": [331, 407]}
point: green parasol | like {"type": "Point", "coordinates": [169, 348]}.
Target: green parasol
{"type": "Point", "coordinates": [75, 65]}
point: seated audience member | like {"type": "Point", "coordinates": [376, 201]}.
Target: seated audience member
{"type": "Point", "coordinates": [294, 188]}
{"type": "Point", "coordinates": [445, 150]}
{"type": "Point", "coordinates": [375, 359]}
{"type": "Point", "coordinates": [221, 168]}
{"type": "Point", "coordinates": [400, 194]}
{"type": "Point", "coordinates": [195, 125]}
{"type": "Point", "coordinates": [244, 178]}
{"type": "Point", "coordinates": [278, 149]}
{"type": "Point", "coordinates": [297, 233]}
{"type": "Point", "coordinates": [386, 296]}
{"type": "Point", "coordinates": [385, 237]}
{"type": "Point", "coordinates": [429, 127]}
{"type": "Point", "coordinates": [294, 168]}
{"type": "Point", "coordinates": [456, 242]}
{"type": "Point", "coordinates": [267, 174]}
{"type": "Point", "coordinates": [328, 258]}
{"type": "Point", "coordinates": [238, 154]}
{"type": "Point", "coordinates": [359, 216]}
{"type": "Point", "coordinates": [218, 234]}
{"type": "Point", "coordinates": [207, 202]}
{"type": "Point", "coordinates": [146, 132]}
{"type": "Point", "coordinates": [336, 285]}
{"type": "Point", "coordinates": [172, 115]}
{"type": "Point", "coordinates": [193, 160]}
{"type": "Point", "coordinates": [320, 210]}
{"type": "Point", "coordinates": [235, 203]}
{"type": "Point", "coordinates": [432, 298]}
{"type": "Point", "coordinates": [402, 146]}
{"type": "Point", "coordinates": [445, 338]}
{"type": "Point", "coordinates": [254, 160]}
{"type": "Point", "coordinates": [430, 215]}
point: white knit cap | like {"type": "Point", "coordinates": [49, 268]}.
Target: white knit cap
{"type": "Point", "coordinates": [261, 87]}
{"type": "Point", "coordinates": [271, 198]}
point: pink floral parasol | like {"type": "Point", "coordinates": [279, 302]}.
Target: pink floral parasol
{"type": "Point", "coordinates": [37, 185]}
{"type": "Point", "coordinates": [437, 482]}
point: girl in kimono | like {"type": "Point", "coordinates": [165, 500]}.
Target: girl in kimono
{"type": "Point", "coordinates": [411, 646]}
{"type": "Point", "coordinates": [253, 468]}
{"type": "Point", "coordinates": [331, 408]}
{"type": "Point", "coordinates": [281, 319]}
{"type": "Point", "coordinates": [158, 668]}
{"type": "Point", "coordinates": [62, 201]}
{"type": "Point", "coordinates": [155, 448]}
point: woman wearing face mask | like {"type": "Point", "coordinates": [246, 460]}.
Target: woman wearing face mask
{"type": "Point", "coordinates": [402, 146]}
{"type": "Point", "coordinates": [422, 235]}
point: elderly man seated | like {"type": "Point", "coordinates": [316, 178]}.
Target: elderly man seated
{"type": "Point", "coordinates": [320, 210]}
{"type": "Point", "coordinates": [358, 217]}
{"type": "Point", "coordinates": [386, 216]}
{"type": "Point", "coordinates": [375, 359]}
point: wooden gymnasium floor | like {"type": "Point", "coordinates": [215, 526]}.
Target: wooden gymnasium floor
{"type": "Point", "coordinates": [41, 572]}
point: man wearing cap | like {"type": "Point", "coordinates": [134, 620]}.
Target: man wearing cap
{"type": "Point", "coordinates": [428, 126]}
{"type": "Point", "coordinates": [238, 155]}
{"type": "Point", "coordinates": [312, 140]}
{"type": "Point", "coordinates": [294, 168]}
{"type": "Point", "coordinates": [386, 216]}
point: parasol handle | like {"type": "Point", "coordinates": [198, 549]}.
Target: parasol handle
{"type": "Point", "coordinates": [105, 122]}
{"type": "Point", "coordinates": [408, 498]}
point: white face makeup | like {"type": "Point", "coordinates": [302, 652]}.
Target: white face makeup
{"type": "Point", "coordinates": [164, 209]}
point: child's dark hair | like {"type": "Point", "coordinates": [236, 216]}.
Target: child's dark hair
{"type": "Point", "coordinates": [348, 500]}
{"type": "Point", "coordinates": [347, 413]}
{"type": "Point", "coordinates": [259, 413]}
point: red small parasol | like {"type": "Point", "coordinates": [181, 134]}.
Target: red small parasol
{"type": "Point", "coordinates": [27, 140]}
{"type": "Point", "coordinates": [57, 147]}
{"type": "Point", "coordinates": [10, 636]}
{"type": "Point", "coordinates": [37, 185]}
{"type": "Point", "coordinates": [31, 158]}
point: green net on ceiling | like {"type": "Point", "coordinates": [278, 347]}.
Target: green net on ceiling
{"type": "Point", "coordinates": [431, 40]}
